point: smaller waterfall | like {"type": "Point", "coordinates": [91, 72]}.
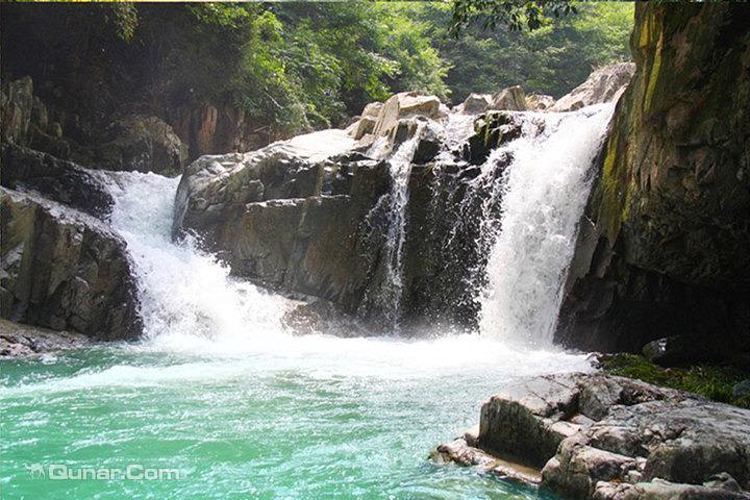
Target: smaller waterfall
{"type": "Point", "coordinates": [185, 295]}
{"type": "Point", "coordinates": [400, 169]}
{"type": "Point", "coordinates": [544, 191]}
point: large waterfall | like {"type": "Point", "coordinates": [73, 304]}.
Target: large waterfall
{"type": "Point", "coordinates": [543, 191]}
{"type": "Point", "coordinates": [221, 391]}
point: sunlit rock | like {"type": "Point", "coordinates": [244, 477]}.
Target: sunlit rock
{"type": "Point", "coordinates": [603, 85]}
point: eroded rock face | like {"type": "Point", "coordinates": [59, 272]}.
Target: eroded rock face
{"type": "Point", "coordinates": [663, 246]}
{"type": "Point", "coordinates": [291, 216]}
{"type": "Point", "coordinates": [59, 180]}
{"type": "Point", "coordinates": [605, 84]}
{"type": "Point", "coordinates": [598, 436]}
{"type": "Point", "coordinates": [64, 270]}
{"type": "Point", "coordinates": [144, 144]}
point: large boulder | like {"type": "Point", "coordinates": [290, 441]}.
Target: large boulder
{"type": "Point", "coordinates": [591, 434]}
{"type": "Point", "coordinates": [474, 104]}
{"type": "Point", "coordinates": [59, 180]}
{"type": "Point", "coordinates": [396, 108]}
{"type": "Point", "coordinates": [64, 270]}
{"type": "Point", "coordinates": [663, 246]}
{"type": "Point", "coordinates": [290, 216]}
{"type": "Point", "coordinates": [511, 99]}
{"type": "Point", "coordinates": [144, 144]}
{"type": "Point", "coordinates": [603, 85]}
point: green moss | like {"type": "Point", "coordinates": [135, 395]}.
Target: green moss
{"type": "Point", "coordinates": [712, 382]}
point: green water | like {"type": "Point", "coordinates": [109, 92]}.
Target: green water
{"type": "Point", "coordinates": [309, 418]}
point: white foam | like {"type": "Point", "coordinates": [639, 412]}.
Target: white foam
{"type": "Point", "coordinates": [544, 193]}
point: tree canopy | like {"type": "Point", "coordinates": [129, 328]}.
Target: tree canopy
{"type": "Point", "coordinates": [302, 65]}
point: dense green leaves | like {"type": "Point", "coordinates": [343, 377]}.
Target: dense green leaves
{"type": "Point", "coordinates": [302, 65]}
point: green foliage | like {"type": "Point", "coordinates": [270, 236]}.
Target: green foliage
{"type": "Point", "coordinates": [301, 65]}
{"type": "Point", "coordinates": [551, 59]}
{"type": "Point", "coordinates": [712, 382]}
{"type": "Point", "coordinates": [517, 14]}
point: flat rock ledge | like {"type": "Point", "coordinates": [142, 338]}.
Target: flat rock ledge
{"type": "Point", "coordinates": [21, 341]}
{"type": "Point", "coordinates": [595, 436]}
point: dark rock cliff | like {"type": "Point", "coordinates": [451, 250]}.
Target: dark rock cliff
{"type": "Point", "coordinates": [664, 247]}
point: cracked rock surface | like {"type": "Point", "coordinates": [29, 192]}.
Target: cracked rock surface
{"type": "Point", "coordinates": [613, 438]}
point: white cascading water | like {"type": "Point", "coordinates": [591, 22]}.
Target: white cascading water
{"type": "Point", "coordinates": [184, 293]}
{"type": "Point", "coordinates": [191, 305]}
{"type": "Point", "coordinates": [400, 169]}
{"type": "Point", "coordinates": [544, 190]}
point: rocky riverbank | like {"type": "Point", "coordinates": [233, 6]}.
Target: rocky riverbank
{"type": "Point", "coordinates": [609, 438]}
{"type": "Point", "coordinates": [21, 341]}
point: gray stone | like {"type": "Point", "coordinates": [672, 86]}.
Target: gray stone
{"type": "Point", "coordinates": [632, 432]}
{"type": "Point", "coordinates": [511, 99]}
{"type": "Point", "coordinates": [603, 85]}
{"type": "Point", "coordinates": [65, 270]}
{"type": "Point", "coordinates": [144, 144]}
{"type": "Point", "coordinates": [59, 180]}
{"type": "Point", "coordinates": [19, 340]}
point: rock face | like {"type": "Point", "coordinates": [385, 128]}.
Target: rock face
{"type": "Point", "coordinates": [59, 180]}
{"type": "Point", "coordinates": [663, 248]}
{"type": "Point", "coordinates": [287, 216]}
{"type": "Point", "coordinates": [314, 215]}
{"type": "Point", "coordinates": [63, 269]}
{"type": "Point", "coordinates": [604, 437]}
{"type": "Point", "coordinates": [136, 142]}
{"type": "Point", "coordinates": [144, 144]}
{"type": "Point", "coordinates": [603, 85]}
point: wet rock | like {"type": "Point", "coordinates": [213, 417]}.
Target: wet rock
{"type": "Point", "coordinates": [741, 389]}
{"type": "Point", "coordinates": [492, 130]}
{"type": "Point", "coordinates": [320, 316]}
{"type": "Point", "coordinates": [462, 452]}
{"type": "Point", "coordinates": [64, 270]}
{"type": "Point", "coordinates": [59, 180]}
{"type": "Point", "coordinates": [511, 99]}
{"type": "Point", "coordinates": [593, 434]}
{"type": "Point", "coordinates": [144, 144]}
{"type": "Point", "coordinates": [603, 85]}
{"type": "Point", "coordinates": [663, 244]}
{"type": "Point", "coordinates": [18, 340]}
{"type": "Point", "coordinates": [539, 102]}
{"type": "Point", "coordinates": [429, 145]}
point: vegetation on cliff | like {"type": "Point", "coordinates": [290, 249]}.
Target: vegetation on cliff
{"type": "Point", "coordinates": [711, 381]}
{"type": "Point", "coordinates": [289, 67]}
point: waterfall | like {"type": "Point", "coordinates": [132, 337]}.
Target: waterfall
{"type": "Point", "coordinates": [184, 293]}
{"type": "Point", "coordinates": [398, 198]}
{"type": "Point", "coordinates": [543, 192]}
